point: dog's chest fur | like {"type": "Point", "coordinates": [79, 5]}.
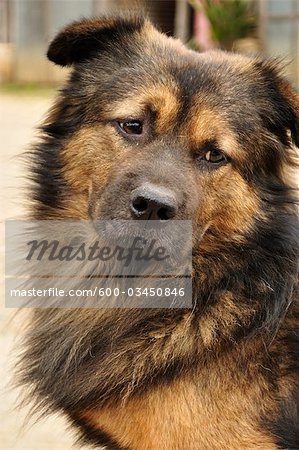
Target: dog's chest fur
{"type": "Point", "coordinates": [188, 414]}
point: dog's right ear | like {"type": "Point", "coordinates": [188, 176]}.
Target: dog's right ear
{"type": "Point", "coordinates": [79, 41]}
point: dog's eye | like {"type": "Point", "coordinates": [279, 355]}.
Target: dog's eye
{"type": "Point", "coordinates": [215, 156]}
{"type": "Point", "coordinates": [132, 127]}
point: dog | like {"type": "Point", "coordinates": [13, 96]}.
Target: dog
{"type": "Point", "coordinates": [219, 132]}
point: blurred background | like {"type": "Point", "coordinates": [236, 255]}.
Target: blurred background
{"type": "Point", "coordinates": [269, 26]}
{"type": "Point", "coordinates": [27, 88]}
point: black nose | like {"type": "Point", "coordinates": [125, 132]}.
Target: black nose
{"type": "Point", "coordinates": [151, 202]}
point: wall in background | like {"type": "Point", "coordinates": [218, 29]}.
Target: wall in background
{"type": "Point", "coordinates": [279, 32]}
{"type": "Point", "coordinates": [28, 26]}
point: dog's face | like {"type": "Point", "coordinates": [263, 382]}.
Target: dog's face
{"type": "Point", "coordinates": [156, 131]}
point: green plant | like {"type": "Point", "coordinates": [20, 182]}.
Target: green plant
{"type": "Point", "coordinates": [230, 19]}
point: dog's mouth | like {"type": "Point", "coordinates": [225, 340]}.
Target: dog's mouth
{"type": "Point", "coordinates": [159, 247]}
{"type": "Point", "coordinates": [118, 228]}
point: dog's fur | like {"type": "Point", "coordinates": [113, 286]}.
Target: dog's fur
{"type": "Point", "coordinates": [223, 375]}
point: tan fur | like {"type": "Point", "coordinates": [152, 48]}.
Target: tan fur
{"type": "Point", "coordinates": [162, 99]}
{"type": "Point", "coordinates": [182, 416]}
{"type": "Point", "coordinates": [89, 145]}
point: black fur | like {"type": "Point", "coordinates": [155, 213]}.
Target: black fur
{"type": "Point", "coordinates": [81, 40]}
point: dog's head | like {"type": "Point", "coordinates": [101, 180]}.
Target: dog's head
{"type": "Point", "coordinates": [147, 129]}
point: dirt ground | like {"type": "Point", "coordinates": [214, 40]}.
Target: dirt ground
{"type": "Point", "coordinates": [19, 114]}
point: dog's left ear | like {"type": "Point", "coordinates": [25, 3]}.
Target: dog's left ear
{"type": "Point", "coordinates": [295, 134]}
{"type": "Point", "coordinates": [284, 99]}
{"type": "Point", "coordinates": [291, 108]}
